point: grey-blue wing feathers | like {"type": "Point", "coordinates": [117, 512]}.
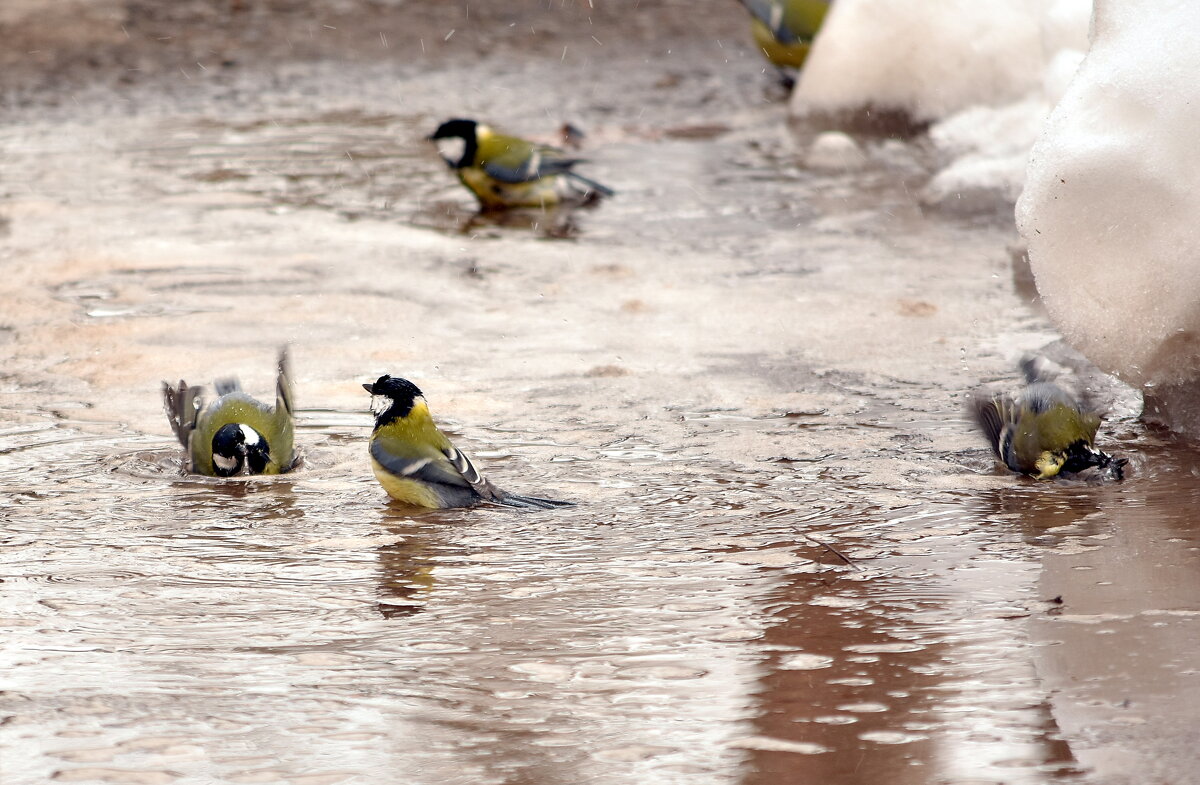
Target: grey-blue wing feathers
{"type": "Point", "coordinates": [771, 15]}
{"type": "Point", "coordinates": [455, 479]}
{"type": "Point", "coordinates": [183, 404]}
{"type": "Point", "coordinates": [542, 162]}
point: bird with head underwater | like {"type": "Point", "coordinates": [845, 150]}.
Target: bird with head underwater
{"type": "Point", "coordinates": [415, 462]}
{"type": "Point", "coordinates": [784, 30]}
{"type": "Point", "coordinates": [507, 172]}
{"type": "Point", "coordinates": [233, 434]}
{"type": "Point", "coordinates": [1043, 430]}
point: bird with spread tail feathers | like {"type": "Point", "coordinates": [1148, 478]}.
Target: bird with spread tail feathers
{"type": "Point", "coordinates": [1043, 430]}
{"type": "Point", "coordinates": [234, 433]}
{"type": "Point", "coordinates": [506, 171]}
{"type": "Point", "coordinates": [415, 462]}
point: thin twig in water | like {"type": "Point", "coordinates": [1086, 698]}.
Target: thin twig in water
{"type": "Point", "coordinates": [832, 550]}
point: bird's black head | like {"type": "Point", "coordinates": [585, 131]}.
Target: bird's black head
{"type": "Point", "coordinates": [1082, 456]}
{"type": "Point", "coordinates": [237, 446]}
{"type": "Point", "coordinates": [393, 398]}
{"type": "Point", "coordinates": [447, 135]}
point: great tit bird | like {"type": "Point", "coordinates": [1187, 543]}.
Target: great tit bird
{"type": "Point", "coordinates": [784, 29]}
{"type": "Point", "coordinates": [1043, 430]}
{"type": "Point", "coordinates": [233, 434]}
{"type": "Point", "coordinates": [415, 462]}
{"type": "Point", "coordinates": [505, 171]}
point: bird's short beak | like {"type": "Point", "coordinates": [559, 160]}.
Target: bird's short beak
{"type": "Point", "coordinates": [431, 138]}
{"type": "Point", "coordinates": [369, 387]}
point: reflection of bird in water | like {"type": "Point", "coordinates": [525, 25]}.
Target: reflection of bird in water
{"type": "Point", "coordinates": [406, 577]}
{"type": "Point", "coordinates": [506, 171]}
{"type": "Point", "coordinates": [1043, 430]}
{"type": "Point", "coordinates": [415, 462]}
{"type": "Point", "coordinates": [784, 30]}
{"type": "Point", "coordinates": [233, 434]}
{"type": "Point", "coordinates": [557, 223]}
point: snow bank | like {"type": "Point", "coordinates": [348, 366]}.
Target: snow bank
{"type": "Point", "coordinates": [1111, 211]}
{"type": "Point", "coordinates": [985, 74]}
{"type": "Point", "coordinates": [931, 59]}
{"type": "Point", "coordinates": [987, 148]}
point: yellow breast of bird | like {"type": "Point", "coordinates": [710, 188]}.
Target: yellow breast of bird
{"type": "Point", "coordinates": [404, 489]}
{"type": "Point", "coordinates": [783, 55]}
{"type": "Point", "coordinates": [491, 192]}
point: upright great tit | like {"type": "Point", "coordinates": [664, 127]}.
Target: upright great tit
{"type": "Point", "coordinates": [415, 462]}
{"type": "Point", "coordinates": [505, 171]}
{"type": "Point", "coordinates": [1043, 430]}
{"type": "Point", "coordinates": [784, 29]}
{"type": "Point", "coordinates": [233, 434]}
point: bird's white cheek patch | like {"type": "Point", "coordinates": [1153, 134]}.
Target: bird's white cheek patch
{"type": "Point", "coordinates": [249, 434]}
{"type": "Point", "coordinates": [223, 463]}
{"type": "Point", "coordinates": [452, 149]}
{"type": "Point", "coordinates": [380, 404]}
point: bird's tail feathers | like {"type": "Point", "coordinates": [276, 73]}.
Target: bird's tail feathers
{"type": "Point", "coordinates": [591, 185]}
{"type": "Point", "coordinates": [532, 502]}
{"type": "Point", "coordinates": [227, 385]}
{"type": "Point", "coordinates": [183, 407]}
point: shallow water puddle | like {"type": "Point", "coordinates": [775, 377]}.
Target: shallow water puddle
{"type": "Point", "coordinates": [747, 375]}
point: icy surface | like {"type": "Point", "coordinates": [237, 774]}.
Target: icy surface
{"type": "Point", "coordinates": [1110, 211]}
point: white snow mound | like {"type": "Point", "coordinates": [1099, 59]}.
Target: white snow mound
{"type": "Point", "coordinates": [931, 59]}
{"type": "Point", "coordinates": [1111, 208]}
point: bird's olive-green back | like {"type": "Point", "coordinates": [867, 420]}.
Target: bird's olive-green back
{"type": "Point", "coordinates": [784, 29]}
{"type": "Point", "coordinates": [804, 17]}
{"type": "Point", "coordinates": [508, 152]}
{"type": "Point", "coordinates": [273, 423]}
{"type": "Point", "coordinates": [1052, 430]}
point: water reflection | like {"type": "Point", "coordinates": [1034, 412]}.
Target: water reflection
{"type": "Point", "coordinates": [406, 569]}
{"type": "Point", "coordinates": [908, 670]}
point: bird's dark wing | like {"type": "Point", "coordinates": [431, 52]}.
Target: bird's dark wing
{"type": "Point", "coordinates": [449, 471]}
{"type": "Point", "coordinates": [183, 407]}
{"type": "Point", "coordinates": [452, 474]}
{"type": "Point", "coordinates": [990, 418]}
{"type": "Point", "coordinates": [430, 467]}
{"type": "Point", "coordinates": [491, 493]}
{"type": "Point", "coordinates": [284, 396]}
{"type": "Point", "coordinates": [525, 166]}
{"type": "Point", "coordinates": [467, 471]}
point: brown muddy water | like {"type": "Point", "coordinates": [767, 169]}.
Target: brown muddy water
{"type": "Point", "coordinates": [735, 367]}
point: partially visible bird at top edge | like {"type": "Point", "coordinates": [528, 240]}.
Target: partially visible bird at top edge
{"type": "Point", "coordinates": [785, 30]}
